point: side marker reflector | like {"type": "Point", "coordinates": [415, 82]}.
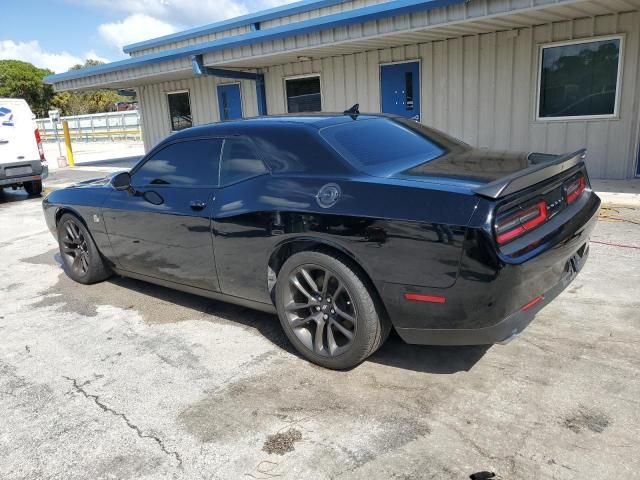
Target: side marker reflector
{"type": "Point", "coordinates": [424, 298]}
{"type": "Point", "coordinates": [532, 303]}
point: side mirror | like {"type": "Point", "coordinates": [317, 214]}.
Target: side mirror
{"type": "Point", "coordinates": [121, 181]}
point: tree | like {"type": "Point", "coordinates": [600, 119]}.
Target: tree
{"type": "Point", "coordinates": [92, 101]}
{"type": "Point", "coordinates": [22, 80]}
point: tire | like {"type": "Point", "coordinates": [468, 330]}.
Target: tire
{"type": "Point", "coordinates": [81, 259]}
{"type": "Point", "coordinates": [344, 293]}
{"type": "Point", "coordinates": [33, 188]}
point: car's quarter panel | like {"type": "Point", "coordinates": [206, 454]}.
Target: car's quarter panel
{"type": "Point", "coordinates": [84, 200]}
{"type": "Point", "coordinates": [492, 287]}
{"type": "Point", "coordinates": [168, 240]}
{"type": "Point", "coordinates": [397, 231]}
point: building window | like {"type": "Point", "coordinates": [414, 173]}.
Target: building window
{"type": "Point", "coordinates": [303, 94]}
{"type": "Point", "coordinates": [179, 110]}
{"type": "Point", "coordinates": [580, 79]}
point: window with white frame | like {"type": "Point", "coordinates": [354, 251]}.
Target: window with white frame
{"type": "Point", "coordinates": [303, 94]}
{"type": "Point", "coordinates": [580, 79]}
{"type": "Point", "coordinates": [179, 110]}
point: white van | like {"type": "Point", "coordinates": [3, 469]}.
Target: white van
{"type": "Point", "coordinates": [22, 162]}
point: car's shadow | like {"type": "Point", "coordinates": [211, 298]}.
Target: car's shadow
{"type": "Point", "coordinates": [7, 195]}
{"type": "Point", "coordinates": [395, 352]}
{"type": "Point", "coordinates": [427, 358]}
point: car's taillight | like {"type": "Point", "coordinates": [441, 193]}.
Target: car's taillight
{"type": "Point", "coordinates": [39, 142]}
{"type": "Point", "coordinates": [514, 224]}
{"type": "Point", "coordinates": [575, 189]}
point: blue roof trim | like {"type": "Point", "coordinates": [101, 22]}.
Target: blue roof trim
{"type": "Point", "coordinates": [360, 15]}
{"type": "Point", "coordinates": [251, 18]}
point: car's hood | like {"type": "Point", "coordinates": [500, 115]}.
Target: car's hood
{"type": "Point", "coordinates": [476, 166]}
{"type": "Point", "coordinates": [95, 182]}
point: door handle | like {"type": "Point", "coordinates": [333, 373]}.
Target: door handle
{"type": "Point", "coordinates": [197, 204]}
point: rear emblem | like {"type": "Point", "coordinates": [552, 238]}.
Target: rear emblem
{"type": "Point", "coordinates": [328, 195]}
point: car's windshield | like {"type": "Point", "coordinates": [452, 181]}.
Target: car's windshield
{"type": "Point", "coordinates": [383, 146]}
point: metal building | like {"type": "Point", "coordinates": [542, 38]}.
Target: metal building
{"type": "Point", "coordinates": [541, 75]}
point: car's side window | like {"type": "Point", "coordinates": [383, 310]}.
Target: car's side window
{"type": "Point", "coordinates": [189, 163]}
{"type": "Point", "coordinates": [239, 161]}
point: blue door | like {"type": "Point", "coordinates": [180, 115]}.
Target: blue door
{"type": "Point", "coordinates": [400, 89]}
{"type": "Point", "coordinates": [229, 101]}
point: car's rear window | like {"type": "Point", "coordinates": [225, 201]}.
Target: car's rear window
{"type": "Point", "coordinates": [383, 146]}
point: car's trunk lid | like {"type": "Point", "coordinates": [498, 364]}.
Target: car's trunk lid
{"type": "Point", "coordinates": [494, 174]}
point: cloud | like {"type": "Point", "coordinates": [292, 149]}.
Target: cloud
{"type": "Point", "coordinates": [182, 14]}
{"type": "Point", "coordinates": [134, 28]}
{"type": "Point", "coordinates": [93, 55]}
{"type": "Point", "coordinates": [179, 13]}
{"type": "Point", "coordinates": [33, 53]}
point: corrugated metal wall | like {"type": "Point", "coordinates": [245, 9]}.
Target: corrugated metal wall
{"type": "Point", "coordinates": [204, 104]}
{"type": "Point", "coordinates": [320, 12]}
{"type": "Point", "coordinates": [481, 88]}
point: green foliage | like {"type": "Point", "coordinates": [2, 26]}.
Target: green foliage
{"type": "Point", "coordinates": [92, 101]}
{"type": "Point", "coordinates": [23, 80]}
{"type": "Point", "coordinates": [89, 63]}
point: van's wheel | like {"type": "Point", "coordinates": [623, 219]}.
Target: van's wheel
{"type": "Point", "coordinates": [327, 310]}
{"type": "Point", "coordinates": [33, 188]}
{"type": "Point", "coordinates": [81, 259]}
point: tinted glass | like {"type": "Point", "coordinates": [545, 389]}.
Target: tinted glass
{"type": "Point", "coordinates": [239, 161]}
{"type": "Point", "coordinates": [382, 146]}
{"type": "Point", "coordinates": [580, 79]}
{"type": "Point", "coordinates": [303, 95]}
{"type": "Point", "coordinates": [297, 149]}
{"type": "Point", "coordinates": [190, 163]}
{"type": "Point", "coordinates": [179, 110]}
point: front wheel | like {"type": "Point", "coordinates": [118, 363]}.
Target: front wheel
{"type": "Point", "coordinates": [81, 259]}
{"type": "Point", "coordinates": [327, 310]}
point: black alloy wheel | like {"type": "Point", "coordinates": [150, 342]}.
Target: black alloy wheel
{"type": "Point", "coordinates": [327, 310]}
{"type": "Point", "coordinates": [81, 259]}
{"type": "Point", "coordinates": [74, 247]}
{"type": "Point", "coordinates": [320, 310]}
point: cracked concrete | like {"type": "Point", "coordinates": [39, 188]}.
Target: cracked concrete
{"type": "Point", "coordinates": [80, 389]}
{"type": "Point", "coordinates": [130, 381]}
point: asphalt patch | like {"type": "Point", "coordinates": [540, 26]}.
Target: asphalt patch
{"type": "Point", "coordinates": [281, 443]}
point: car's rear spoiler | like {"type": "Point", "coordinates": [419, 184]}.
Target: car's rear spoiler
{"type": "Point", "coordinates": [531, 175]}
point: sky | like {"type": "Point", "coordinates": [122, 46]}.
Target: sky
{"type": "Point", "coordinates": [57, 34]}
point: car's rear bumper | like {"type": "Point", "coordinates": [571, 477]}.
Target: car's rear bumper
{"type": "Point", "coordinates": [492, 299]}
{"type": "Point", "coordinates": [501, 332]}
{"type": "Point", "coordinates": [39, 171]}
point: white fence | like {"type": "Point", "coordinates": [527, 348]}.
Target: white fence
{"type": "Point", "coordinates": [96, 127]}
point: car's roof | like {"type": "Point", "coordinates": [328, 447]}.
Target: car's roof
{"type": "Point", "coordinates": [313, 120]}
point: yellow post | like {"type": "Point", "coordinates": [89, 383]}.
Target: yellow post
{"type": "Point", "coordinates": [67, 142]}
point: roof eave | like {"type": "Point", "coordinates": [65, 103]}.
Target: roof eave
{"type": "Point", "coordinates": [242, 21]}
{"type": "Point", "coordinates": [361, 15]}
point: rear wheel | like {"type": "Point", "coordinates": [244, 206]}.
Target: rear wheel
{"type": "Point", "coordinates": [327, 310]}
{"type": "Point", "coordinates": [34, 187]}
{"type": "Point", "coordinates": [81, 259]}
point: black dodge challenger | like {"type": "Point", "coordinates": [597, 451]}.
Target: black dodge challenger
{"type": "Point", "coordinates": [345, 225]}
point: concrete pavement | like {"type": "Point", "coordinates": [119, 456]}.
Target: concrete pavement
{"type": "Point", "coordinates": [131, 381]}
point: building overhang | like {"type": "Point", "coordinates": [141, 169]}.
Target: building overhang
{"type": "Point", "coordinates": [396, 23]}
